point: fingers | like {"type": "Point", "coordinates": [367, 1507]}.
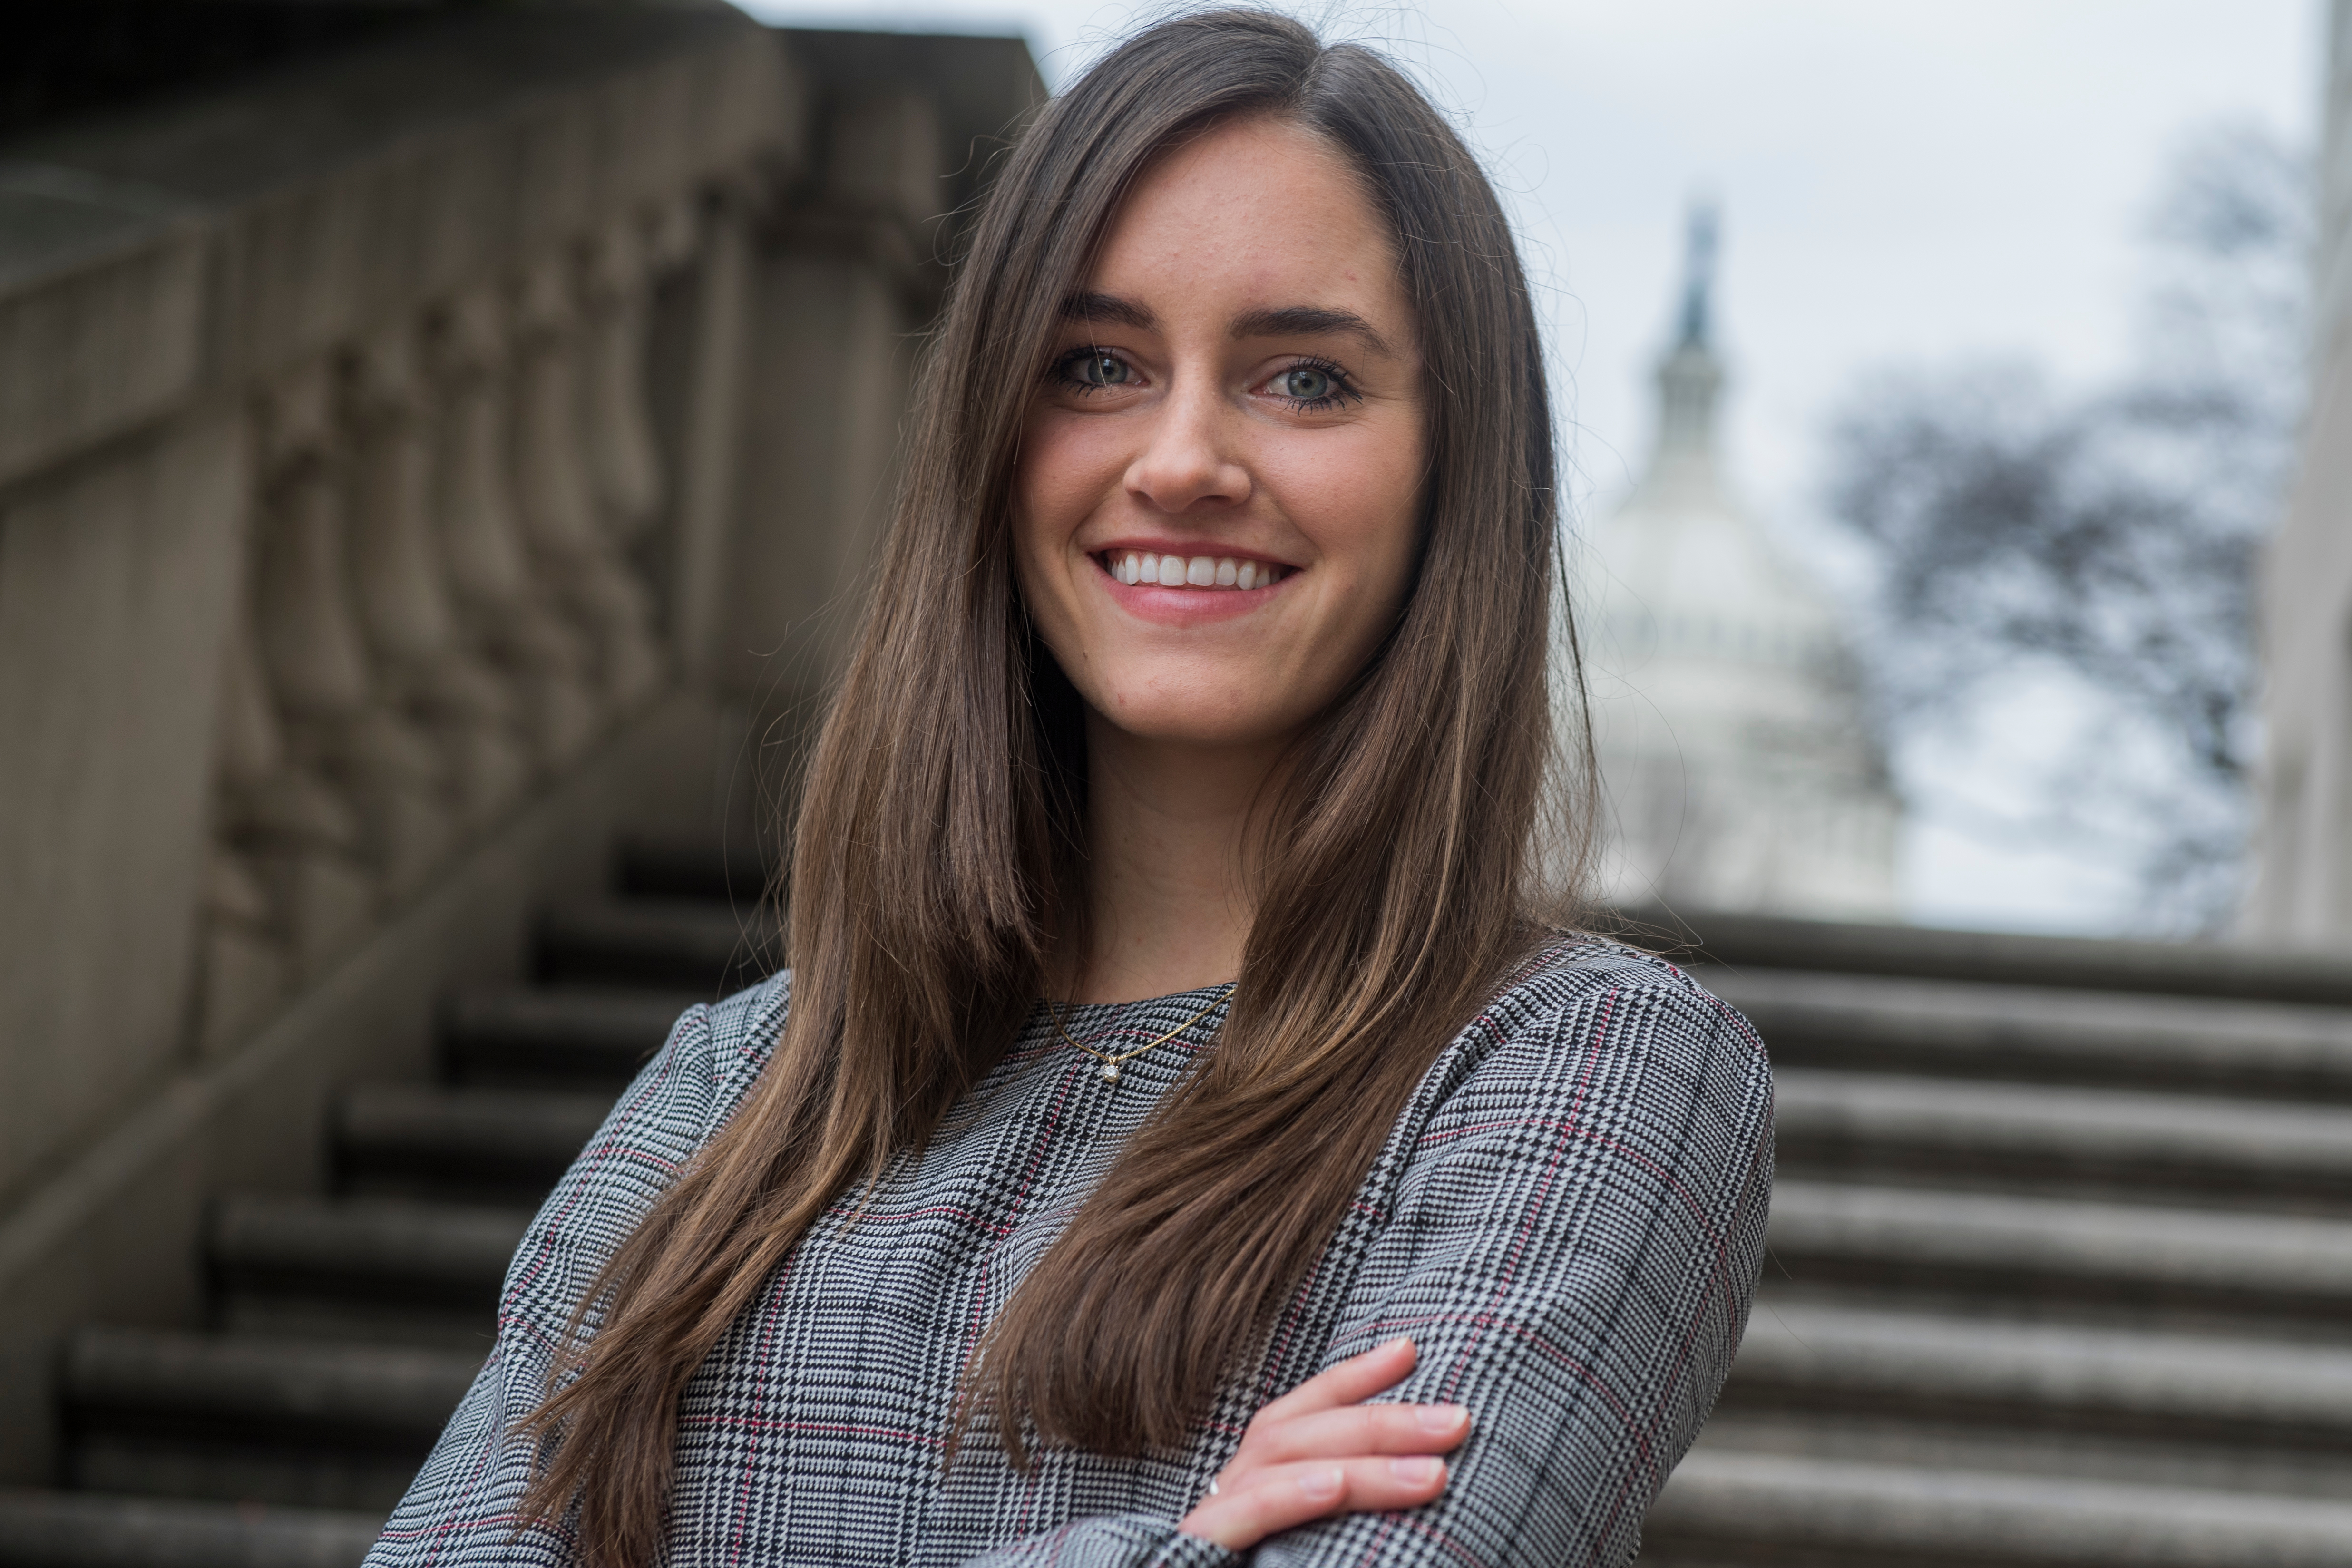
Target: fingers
{"type": "Point", "coordinates": [1281, 1496]}
{"type": "Point", "coordinates": [1356, 1429]}
{"type": "Point", "coordinates": [1354, 1380]}
{"type": "Point", "coordinates": [1319, 1450]}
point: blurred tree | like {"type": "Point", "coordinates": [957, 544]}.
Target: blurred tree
{"type": "Point", "coordinates": [2106, 542]}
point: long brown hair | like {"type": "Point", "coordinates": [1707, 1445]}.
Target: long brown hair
{"type": "Point", "coordinates": [939, 855]}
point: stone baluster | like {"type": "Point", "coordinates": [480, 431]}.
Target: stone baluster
{"type": "Point", "coordinates": [286, 889]}
{"type": "Point", "coordinates": [400, 587]}
{"type": "Point", "coordinates": [569, 545]}
{"type": "Point", "coordinates": [313, 649]}
{"type": "Point", "coordinates": [674, 231]}
{"type": "Point", "coordinates": [616, 425]}
{"type": "Point", "coordinates": [507, 612]}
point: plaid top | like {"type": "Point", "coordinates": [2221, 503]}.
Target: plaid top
{"type": "Point", "coordinates": [1567, 1218]}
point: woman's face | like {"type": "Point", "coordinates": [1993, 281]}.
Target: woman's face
{"type": "Point", "coordinates": [1219, 484]}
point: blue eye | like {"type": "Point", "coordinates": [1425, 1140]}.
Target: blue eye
{"type": "Point", "coordinates": [1093, 367]}
{"type": "Point", "coordinates": [1311, 386]}
{"type": "Point", "coordinates": [1306, 383]}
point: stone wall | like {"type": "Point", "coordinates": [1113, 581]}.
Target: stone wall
{"type": "Point", "coordinates": [2303, 888]}
{"type": "Point", "coordinates": [413, 463]}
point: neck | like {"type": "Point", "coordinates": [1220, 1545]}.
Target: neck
{"type": "Point", "coordinates": [1169, 885]}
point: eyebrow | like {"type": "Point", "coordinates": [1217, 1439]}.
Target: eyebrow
{"type": "Point", "coordinates": [1308, 321]}
{"type": "Point", "coordinates": [1288, 321]}
{"type": "Point", "coordinates": [1108, 308]}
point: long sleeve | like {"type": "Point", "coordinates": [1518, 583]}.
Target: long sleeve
{"type": "Point", "coordinates": [1573, 1244]}
{"type": "Point", "coordinates": [464, 1506]}
{"type": "Point", "coordinates": [1109, 1540]}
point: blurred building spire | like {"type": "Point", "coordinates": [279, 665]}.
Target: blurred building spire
{"type": "Point", "coordinates": [1690, 376]}
{"type": "Point", "coordinates": [1740, 769]}
{"type": "Point", "coordinates": [1698, 273]}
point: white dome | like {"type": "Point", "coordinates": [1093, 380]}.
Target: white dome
{"type": "Point", "coordinates": [1740, 769]}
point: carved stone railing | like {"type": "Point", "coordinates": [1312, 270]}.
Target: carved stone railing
{"type": "Point", "coordinates": [415, 466]}
{"type": "Point", "coordinates": [447, 598]}
{"type": "Point", "coordinates": [334, 526]}
{"type": "Point", "coordinates": [444, 603]}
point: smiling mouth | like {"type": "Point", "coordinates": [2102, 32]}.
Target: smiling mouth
{"type": "Point", "coordinates": [1238, 573]}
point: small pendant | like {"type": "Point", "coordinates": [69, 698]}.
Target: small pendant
{"type": "Point", "coordinates": [1109, 1074]}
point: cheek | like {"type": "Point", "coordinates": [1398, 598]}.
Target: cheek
{"type": "Point", "coordinates": [1042, 509]}
{"type": "Point", "coordinates": [1052, 498]}
{"type": "Point", "coordinates": [1362, 501]}
{"type": "Point", "coordinates": [1385, 517]}
{"type": "Point", "coordinates": [1064, 466]}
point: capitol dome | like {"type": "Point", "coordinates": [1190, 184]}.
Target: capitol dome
{"type": "Point", "coordinates": [1741, 771]}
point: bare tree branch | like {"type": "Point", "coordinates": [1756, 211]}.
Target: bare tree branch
{"type": "Point", "coordinates": [2109, 538]}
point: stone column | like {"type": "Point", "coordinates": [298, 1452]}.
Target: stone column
{"type": "Point", "coordinates": [2302, 890]}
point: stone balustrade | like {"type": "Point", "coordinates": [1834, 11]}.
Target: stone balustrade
{"type": "Point", "coordinates": [395, 307]}
{"type": "Point", "coordinates": [413, 462]}
{"type": "Point", "coordinates": [450, 596]}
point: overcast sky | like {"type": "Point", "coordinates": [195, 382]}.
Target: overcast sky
{"type": "Point", "coordinates": [1901, 184]}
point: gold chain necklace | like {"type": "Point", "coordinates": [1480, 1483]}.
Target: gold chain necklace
{"type": "Point", "coordinates": [1109, 1071]}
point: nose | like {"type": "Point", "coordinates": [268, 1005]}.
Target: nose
{"type": "Point", "coordinates": [1189, 460]}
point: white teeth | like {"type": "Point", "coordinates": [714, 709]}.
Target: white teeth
{"type": "Point", "coordinates": [1133, 566]}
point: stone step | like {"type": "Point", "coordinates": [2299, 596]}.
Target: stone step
{"type": "Point", "coordinates": [1831, 1124]}
{"type": "Point", "coordinates": [2139, 1258]}
{"type": "Point", "coordinates": [1726, 1509]}
{"type": "Point", "coordinates": [405, 1271]}
{"type": "Point", "coordinates": [2043, 1376]}
{"type": "Point", "coordinates": [290, 1389]}
{"type": "Point", "coordinates": [691, 945]}
{"type": "Point", "coordinates": [2072, 963]}
{"type": "Point", "coordinates": [82, 1530]}
{"type": "Point", "coordinates": [575, 1037]}
{"type": "Point", "coordinates": [402, 1139]}
{"type": "Point", "coordinates": [167, 1413]}
{"type": "Point", "coordinates": [2040, 1034]}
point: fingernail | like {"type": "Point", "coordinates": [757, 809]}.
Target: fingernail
{"type": "Point", "coordinates": [1400, 1339]}
{"type": "Point", "coordinates": [1322, 1484]}
{"type": "Point", "coordinates": [1418, 1473]}
{"type": "Point", "coordinates": [1441, 1418]}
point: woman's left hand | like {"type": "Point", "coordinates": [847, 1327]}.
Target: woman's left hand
{"type": "Point", "coordinates": [1320, 1451]}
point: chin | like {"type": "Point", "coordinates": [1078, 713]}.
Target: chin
{"type": "Point", "coordinates": [1198, 722]}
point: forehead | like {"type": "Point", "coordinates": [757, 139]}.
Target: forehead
{"type": "Point", "coordinates": [1257, 211]}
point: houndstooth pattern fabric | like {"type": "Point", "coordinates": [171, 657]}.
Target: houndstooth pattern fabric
{"type": "Point", "coordinates": [1567, 1218]}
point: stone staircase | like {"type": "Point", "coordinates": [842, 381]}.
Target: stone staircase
{"type": "Point", "coordinates": [345, 1327]}
{"type": "Point", "coordinates": [2060, 1265]}
{"type": "Point", "coordinates": [2061, 1262]}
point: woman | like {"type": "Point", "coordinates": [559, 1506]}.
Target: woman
{"type": "Point", "coordinates": [1179, 1136]}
